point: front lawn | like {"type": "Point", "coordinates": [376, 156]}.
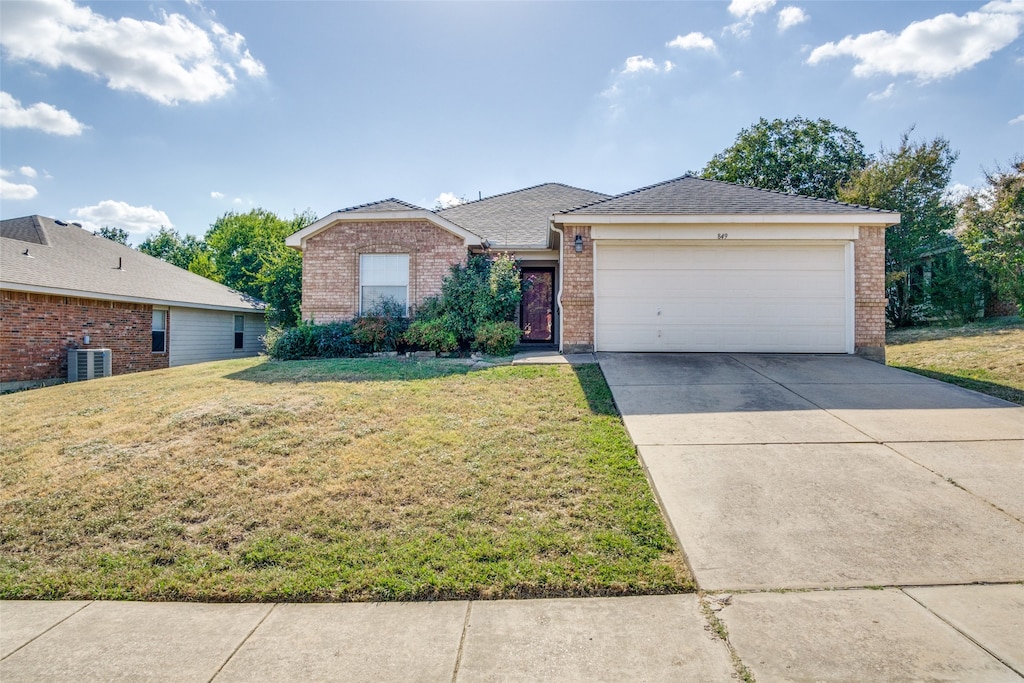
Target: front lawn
{"type": "Point", "coordinates": [373, 479]}
{"type": "Point", "coordinates": [986, 356]}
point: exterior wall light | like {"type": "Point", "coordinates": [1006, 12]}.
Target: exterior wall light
{"type": "Point", "coordinates": [578, 244]}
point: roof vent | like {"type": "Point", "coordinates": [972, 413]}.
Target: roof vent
{"type": "Point", "coordinates": [25, 253]}
{"type": "Point", "coordinates": [77, 225]}
{"type": "Point", "coordinates": [59, 222]}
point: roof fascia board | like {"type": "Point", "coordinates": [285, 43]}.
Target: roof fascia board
{"type": "Point", "coordinates": [859, 219]}
{"type": "Point", "coordinates": [730, 232]}
{"type": "Point", "coordinates": [101, 296]}
{"type": "Point", "coordinates": [298, 239]}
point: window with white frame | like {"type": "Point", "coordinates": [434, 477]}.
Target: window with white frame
{"type": "Point", "coordinates": [383, 276]}
{"type": "Point", "coordinates": [159, 331]}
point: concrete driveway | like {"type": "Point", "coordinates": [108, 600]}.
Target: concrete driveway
{"type": "Point", "coordinates": [801, 473]}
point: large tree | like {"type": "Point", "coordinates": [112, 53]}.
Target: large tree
{"type": "Point", "coordinates": [119, 235]}
{"type": "Point", "coordinates": [796, 155]}
{"type": "Point", "coordinates": [992, 230]}
{"type": "Point", "coordinates": [168, 245]}
{"type": "Point", "coordinates": [911, 179]}
{"type": "Point", "coordinates": [249, 254]}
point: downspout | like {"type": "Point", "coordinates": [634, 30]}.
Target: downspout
{"type": "Point", "coordinates": [558, 297]}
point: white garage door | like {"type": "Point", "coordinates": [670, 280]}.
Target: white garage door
{"type": "Point", "coordinates": [721, 297]}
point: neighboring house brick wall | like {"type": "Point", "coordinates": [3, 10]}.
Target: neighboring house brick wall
{"type": "Point", "coordinates": [36, 331]}
{"type": "Point", "coordinates": [330, 263]}
{"type": "Point", "coordinates": [870, 301]}
{"type": "Point", "coordinates": [577, 291]}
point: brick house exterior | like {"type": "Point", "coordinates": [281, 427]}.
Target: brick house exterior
{"type": "Point", "coordinates": [845, 245]}
{"type": "Point", "coordinates": [63, 288]}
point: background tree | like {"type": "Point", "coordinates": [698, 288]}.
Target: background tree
{"type": "Point", "coordinates": [910, 179]}
{"type": "Point", "coordinates": [118, 235]}
{"type": "Point", "coordinates": [168, 245]}
{"type": "Point", "coordinates": [992, 230]}
{"type": "Point", "coordinates": [249, 254]}
{"type": "Point", "coordinates": [810, 158]}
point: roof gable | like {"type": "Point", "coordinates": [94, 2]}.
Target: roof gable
{"type": "Point", "coordinates": [519, 218]}
{"type": "Point", "coordinates": [72, 261]}
{"type": "Point", "coordinates": [689, 195]}
{"type": "Point", "coordinates": [384, 210]}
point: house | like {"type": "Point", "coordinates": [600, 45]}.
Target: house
{"type": "Point", "coordinates": [684, 265]}
{"type": "Point", "coordinates": [62, 288]}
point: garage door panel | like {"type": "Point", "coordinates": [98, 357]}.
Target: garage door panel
{"type": "Point", "coordinates": [721, 298]}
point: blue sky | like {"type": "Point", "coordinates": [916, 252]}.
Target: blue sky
{"type": "Point", "coordinates": [141, 114]}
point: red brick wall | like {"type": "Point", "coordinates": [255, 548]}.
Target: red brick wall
{"type": "Point", "coordinates": [36, 331]}
{"type": "Point", "coordinates": [869, 290]}
{"type": "Point", "coordinates": [577, 291]}
{"type": "Point", "coordinates": [330, 263]}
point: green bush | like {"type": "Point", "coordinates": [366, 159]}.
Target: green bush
{"type": "Point", "coordinates": [432, 335]}
{"type": "Point", "coordinates": [335, 340]}
{"type": "Point", "coordinates": [496, 338]}
{"type": "Point", "coordinates": [956, 291]}
{"type": "Point", "coordinates": [295, 342]}
{"type": "Point", "coordinates": [381, 328]}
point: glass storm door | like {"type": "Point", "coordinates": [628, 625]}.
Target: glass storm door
{"type": "Point", "coordinates": [538, 306]}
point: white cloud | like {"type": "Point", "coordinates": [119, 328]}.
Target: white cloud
{"type": "Point", "coordinates": [40, 116]}
{"type": "Point", "coordinates": [169, 61]}
{"type": "Point", "coordinates": [933, 48]}
{"type": "Point", "coordinates": [668, 66]}
{"type": "Point", "coordinates": [956, 192]}
{"type": "Point", "coordinates": [217, 195]}
{"type": "Point", "coordinates": [883, 95]}
{"type": "Point", "coordinates": [790, 17]}
{"type": "Point", "coordinates": [9, 190]}
{"type": "Point", "coordinates": [693, 41]}
{"type": "Point", "coordinates": [28, 171]}
{"type": "Point", "coordinates": [747, 9]}
{"type": "Point", "coordinates": [134, 219]}
{"type": "Point", "coordinates": [737, 74]}
{"type": "Point", "coordinates": [236, 200]}
{"type": "Point", "coordinates": [1019, 119]}
{"type": "Point", "coordinates": [447, 200]}
{"type": "Point", "coordinates": [638, 63]}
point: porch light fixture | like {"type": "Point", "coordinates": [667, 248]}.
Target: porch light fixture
{"type": "Point", "coordinates": [578, 244]}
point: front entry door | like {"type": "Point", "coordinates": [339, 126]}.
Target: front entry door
{"type": "Point", "coordinates": [537, 311]}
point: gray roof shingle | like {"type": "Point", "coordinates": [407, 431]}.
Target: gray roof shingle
{"type": "Point", "coordinates": [67, 257]}
{"type": "Point", "coordinates": [390, 204]}
{"type": "Point", "coordinates": [690, 195]}
{"type": "Point", "coordinates": [519, 218]}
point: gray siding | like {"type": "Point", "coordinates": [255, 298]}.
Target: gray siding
{"type": "Point", "coordinates": [199, 335]}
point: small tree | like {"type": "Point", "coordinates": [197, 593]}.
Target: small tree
{"type": "Point", "coordinates": [992, 230]}
{"type": "Point", "coordinates": [119, 235]}
{"type": "Point", "coordinates": [910, 179]}
{"type": "Point", "coordinates": [956, 289]}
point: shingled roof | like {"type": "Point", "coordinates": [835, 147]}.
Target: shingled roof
{"type": "Point", "coordinates": [39, 254]}
{"type": "Point", "coordinates": [690, 195]}
{"type": "Point", "coordinates": [520, 218]}
{"type": "Point", "coordinates": [390, 204]}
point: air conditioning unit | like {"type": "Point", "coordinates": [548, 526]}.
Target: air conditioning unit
{"type": "Point", "coordinates": [86, 364]}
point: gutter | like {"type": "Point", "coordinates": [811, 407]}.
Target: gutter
{"type": "Point", "coordinates": [558, 297]}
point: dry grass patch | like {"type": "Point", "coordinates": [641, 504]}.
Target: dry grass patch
{"type": "Point", "coordinates": [327, 480]}
{"type": "Point", "coordinates": [987, 357]}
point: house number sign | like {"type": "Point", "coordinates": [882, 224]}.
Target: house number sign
{"type": "Point", "coordinates": [723, 235]}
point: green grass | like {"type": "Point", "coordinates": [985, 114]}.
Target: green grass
{"type": "Point", "coordinates": [986, 357]}
{"type": "Point", "coordinates": [375, 479]}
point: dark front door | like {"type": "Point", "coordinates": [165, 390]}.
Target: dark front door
{"type": "Point", "coordinates": [537, 313]}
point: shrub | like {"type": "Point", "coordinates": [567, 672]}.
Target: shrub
{"type": "Point", "coordinates": [335, 340]}
{"type": "Point", "coordinates": [432, 335]}
{"type": "Point", "coordinates": [381, 328]}
{"type": "Point", "coordinates": [496, 338]}
{"type": "Point", "coordinates": [295, 342]}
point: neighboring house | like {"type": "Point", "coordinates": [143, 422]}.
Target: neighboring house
{"type": "Point", "coordinates": [62, 288]}
{"type": "Point", "coordinates": [684, 265]}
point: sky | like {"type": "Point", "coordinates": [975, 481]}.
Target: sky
{"type": "Point", "coordinates": [146, 114]}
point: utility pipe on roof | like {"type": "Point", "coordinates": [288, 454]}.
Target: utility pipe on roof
{"type": "Point", "coordinates": [558, 297]}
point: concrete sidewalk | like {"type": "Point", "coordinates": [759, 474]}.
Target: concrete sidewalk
{"type": "Point", "coordinates": [657, 638]}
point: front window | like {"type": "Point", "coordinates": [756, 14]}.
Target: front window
{"type": "Point", "coordinates": [239, 332]}
{"type": "Point", "coordinates": [159, 331]}
{"type": "Point", "coordinates": [383, 276]}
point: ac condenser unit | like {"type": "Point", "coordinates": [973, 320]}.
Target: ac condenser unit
{"type": "Point", "coordinates": [88, 364]}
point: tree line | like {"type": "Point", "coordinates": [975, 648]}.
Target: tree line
{"type": "Point", "coordinates": [946, 255]}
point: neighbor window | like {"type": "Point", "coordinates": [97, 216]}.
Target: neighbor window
{"type": "Point", "coordinates": [239, 331]}
{"type": "Point", "coordinates": [159, 331]}
{"type": "Point", "coordinates": [383, 276]}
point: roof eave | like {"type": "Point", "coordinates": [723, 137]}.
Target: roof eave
{"type": "Point", "coordinates": [859, 219]}
{"type": "Point", "coordinates": [298, 239]}
{"type": "Point", "coordinates": [105, 296]}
